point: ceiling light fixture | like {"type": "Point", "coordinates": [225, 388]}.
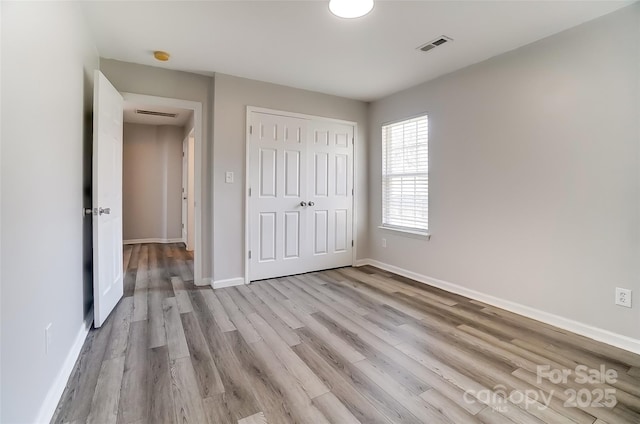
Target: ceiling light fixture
{"type": "Point", "coordinates": [161, 56]}
{"type": "Point", "coordinates": [350, 9]}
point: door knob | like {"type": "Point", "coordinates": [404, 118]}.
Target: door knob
{"type": "Point", "coordinates": [311, 203]}
{"type": "Point", "coordinates": [105, 211]}
{"type": "Point", "coordinates": [303, 204]}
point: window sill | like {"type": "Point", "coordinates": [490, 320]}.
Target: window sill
{"type": "Point", "coordinates": [408, 233]}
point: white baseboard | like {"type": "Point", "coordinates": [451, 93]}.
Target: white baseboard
{"type": "Point", "coordinates": [599, 334]}
{"type": "Point", "coordinates": [204, 282]}
{"type": "Point", "coordinates": [54, 394]}
{"type": "Point", "coordinates": [239, 281]}
{"type": "Point", "coordinates": [152, 240]}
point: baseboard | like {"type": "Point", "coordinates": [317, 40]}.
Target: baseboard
{"type": "Point", "coordinates": [204, 282]}
{"type": "Point", "coordinates": [218, 284]}
{"type": "Point", "coordinates": [54, 394]}
{"type": "Point", "coordinates": [152, 240]}
{"type": "Point", "coordinates": [362, 262]}
{"type": "Point", "coordinates": [599, 334]}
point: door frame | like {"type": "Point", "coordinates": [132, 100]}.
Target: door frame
{"type": "Point", "coordinates": [196, 107]}
{"type": "Point", "coordinates": [247, 232]}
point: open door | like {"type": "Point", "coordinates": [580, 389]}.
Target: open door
{"type": "Point", "coordinates": [185, 189]}
{"type": "Point", "coordinates": [107, 198]}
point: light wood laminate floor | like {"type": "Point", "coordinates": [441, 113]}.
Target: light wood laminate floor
{"type": "Point", "coordinates": [340, 346]}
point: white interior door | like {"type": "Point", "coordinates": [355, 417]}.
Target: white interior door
{"type": "Point", "coordinates": [278, 195]}
{"type": "Point", "coordinates": [300, 203]}
{"type": "Point", "coordinates": [330, 204]}
{"type": "Point", "coordinates": [185, 191]}
{"type": "Point", "coordinates": [107, 198]}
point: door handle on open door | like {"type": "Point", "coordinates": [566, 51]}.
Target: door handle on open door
{"type": "Point", "coordinates": [105, 211]}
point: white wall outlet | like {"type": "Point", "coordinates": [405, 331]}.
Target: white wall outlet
{"type": "Point", "coordinates": [384, 242]}
{"type": "Point", "coordinates": [48, 337]}
{"type": "Point", "coordinates": [623, 297]}
{"type": "Point", "coordinates": [228, 177]}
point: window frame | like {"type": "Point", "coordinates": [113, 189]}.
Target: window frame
{"type": "Point", "coordinates": [411, 231]}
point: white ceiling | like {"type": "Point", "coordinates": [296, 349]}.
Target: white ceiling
{"type": "Point", "coordinates": [301, 44]}
{"type": "Point", "coordinates": [130, 115]}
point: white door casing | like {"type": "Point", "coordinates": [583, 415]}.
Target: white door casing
{"type": "Point", "coordinates": [300, 210]}
{"type": "Point", "coordinates": [198, 170]}
{"type": "Point", "coordinates": [107, 198]}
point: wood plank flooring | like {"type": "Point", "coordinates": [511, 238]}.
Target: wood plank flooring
{"type": "Point", "coordinates": [338, 346]}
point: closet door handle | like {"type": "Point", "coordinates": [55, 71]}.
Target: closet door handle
{"type": "Point", "coordinates": [303, 204]}
{"type": "Point", "coordinates": [311, 204]}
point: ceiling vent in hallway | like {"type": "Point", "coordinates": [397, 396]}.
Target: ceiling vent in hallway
{"type": "Point", "coordinates": [435, 43]}
{"type": "Point", "coordinates": [154, 113]}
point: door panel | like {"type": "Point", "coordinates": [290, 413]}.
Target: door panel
{"type": "Point", "coordinates": [291, 235]}
{"type": "Point", "coordinates": [320, 236]}
{"type": "Point", "coordinates": [321, 174]}
{"type": "Point", "coordinates": [107, 198]}
{"type": "Point", "coordinates": [341, 225]}
{"type": "Point", "coordinates": [267, 236]}
{"type": "Point", "coordinates": [292, 173]}
{"type": "Point", "coordinates": [342, 178]}
{"type": "Point", "coordinates": [268, 172]}
{"type": "Point", "coordinates": [300, 207]}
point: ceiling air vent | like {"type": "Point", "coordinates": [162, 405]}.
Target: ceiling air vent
{"type": "Point", "coordinates": [154, 113]}
{"type": "Point", "coordinates": [435, 43]}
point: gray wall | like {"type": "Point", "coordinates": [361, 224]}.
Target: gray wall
{"type": "Point", "coordinates": [140, 79]}
{"type": "Point", "coordinates": [232, 96]}
{"type": "Point", "coordinates": [152, 182]}
{"type": "Point", "coordinates": [534, 186]}
{"type": "Point", "coordinates": [47, 73]}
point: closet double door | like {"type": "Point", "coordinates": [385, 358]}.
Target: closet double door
{"type": "Point", "coordinates": [300, 204]}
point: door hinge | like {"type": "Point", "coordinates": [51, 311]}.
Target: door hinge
{"type": "Point", "coordinates": [353, 140]}
{"type": "Point", "coordinates": [249, 254]}
{"type": "Point", "coordinates": [250, 129]}
{"type": "Point", "coordinates": [249, 191]}
{"type": "Point", "coordinates": [182, 225]}
{"type": "Point", "coordinates": [352, 192]}
{"type": "Point", "coordinates": [351, 243]}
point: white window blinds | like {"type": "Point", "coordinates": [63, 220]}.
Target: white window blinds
{"type": "Point", "coordinates": [405, 175]}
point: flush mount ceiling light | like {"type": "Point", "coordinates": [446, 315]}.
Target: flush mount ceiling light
{"type": "Point", "coordinates": [350, 8]}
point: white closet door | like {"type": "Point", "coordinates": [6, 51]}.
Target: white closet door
{"type": "Point", "coordinates": [301, 202]}
{"type": "Point", "coordinates": [330, 205]}
{"type": "Point", "coordinates": [278, 148]}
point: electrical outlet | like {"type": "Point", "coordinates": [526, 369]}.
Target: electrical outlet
{"type": "Point", "coordinates": [384, 242]}
{"type": "Point", "coordinates": [623, 297]}
{"type": "Point", "coordinates": [228, 177]}
{"type": "Point", "coordinates": [48, 336]}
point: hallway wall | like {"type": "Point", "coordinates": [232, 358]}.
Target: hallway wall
{"type": "Point", "coordinates": [152, 182]}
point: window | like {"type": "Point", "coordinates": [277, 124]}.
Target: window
{"type": "Point", "coordinates": [405, 175]}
